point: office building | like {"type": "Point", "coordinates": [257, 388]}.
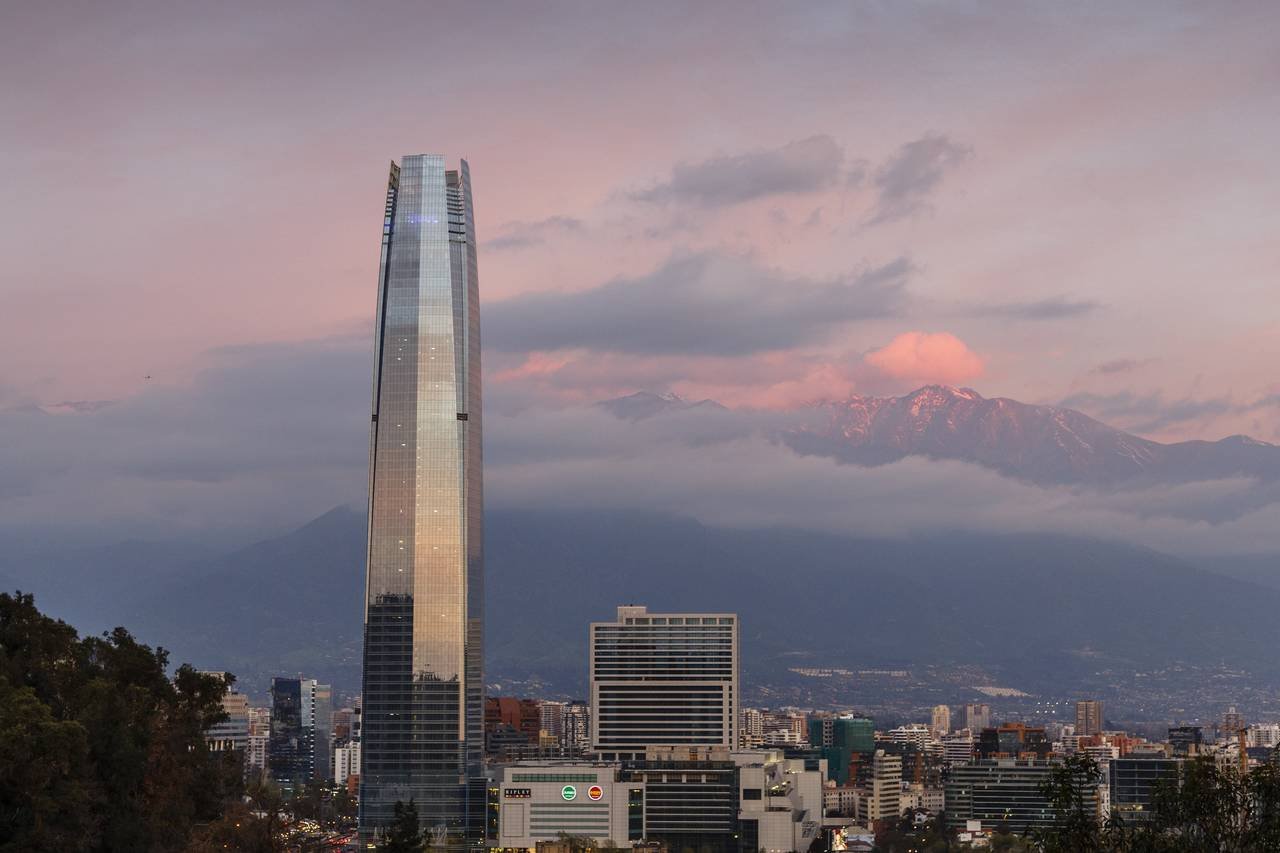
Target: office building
{"type": "Point", "coordinates": [844, 741]}
{"type": "Point", "coordinates": [691, 797]}
{"type": "Point", "coordinates": [1089, 717]}
{"type": "Point", "coordinates": [539, 801]}
{"type": "Point", "coordinates": [1131, 782]}
{"type": "Point", "coordinates": [233, 732]}
{"type": "Point", "coordinates": [324, 733]}
{"type": "Point", "coordinates": [1005, 790]}
{"type": "Point", "coordinates": [291, 748]}
{"type": "Point", "coordinates": [941, 722]}
{"type": "Point", "coordinates": [423, 689]}
{"type": "Point", "coordinates": [780, 800]}
{"type": "Point", "coordinates": [1014, 740]}
{"type": "Point", "coordinates": [886, 786]}
{"type": "Point", "coordinates": [1186, 741]}
{"type": "Point", "coordinates": [668, 679]}
{"type": "Point", "coordinates": [507, 715]}
{"type": "Point", "coordinates": [977, 716]}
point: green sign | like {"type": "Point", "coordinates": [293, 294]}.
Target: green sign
{"type": "Point", "coordinates": [568, 792]}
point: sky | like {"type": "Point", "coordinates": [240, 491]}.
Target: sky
{"type": "Point", "coordinates": [762, 204]}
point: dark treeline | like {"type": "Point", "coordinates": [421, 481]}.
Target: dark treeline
{"type": "Point", "coordinates": [100, 748]}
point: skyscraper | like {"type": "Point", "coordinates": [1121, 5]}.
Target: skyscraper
{"type": "Point", "coordinates": [423, 712]}
{"type": "Point", "coordinates": [668, 680]}
{"type": "Point", "coordinates": [291, 749]}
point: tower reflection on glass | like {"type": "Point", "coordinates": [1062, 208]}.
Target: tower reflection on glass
{"type": "Point", "coordinates": [422, 696]}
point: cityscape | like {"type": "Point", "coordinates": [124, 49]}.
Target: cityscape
{"type": "Point", "coordinates": [680, 526]}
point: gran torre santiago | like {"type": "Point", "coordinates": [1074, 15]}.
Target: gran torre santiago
{"type": "Point", "coordinates": [423, 691]}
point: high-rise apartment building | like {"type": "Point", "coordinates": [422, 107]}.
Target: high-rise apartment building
{"type": "Point", "coordinates": [423, 691]}
{"type": "Point", "coordinates": [977, 716]}
{"type": "Point", "coordinates": [663, 679]}
{"type": "Point", "coordinates": [941, 723]}
{"type": "Point", "coordinates": [1089, 717]}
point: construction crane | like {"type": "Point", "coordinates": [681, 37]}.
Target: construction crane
{"type": "Point", "coordinates": [1243, 735]}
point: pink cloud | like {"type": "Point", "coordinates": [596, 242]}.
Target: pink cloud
{"type": "Point", "coordinates": [927, 357]}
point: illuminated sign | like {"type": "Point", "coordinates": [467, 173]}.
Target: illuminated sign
{"type": "Point", "coordinates": [517, 793]}
{"type": "Point", "coordinates": [595, 792]}
{"type": "Point", "coordinates": [569, 792]}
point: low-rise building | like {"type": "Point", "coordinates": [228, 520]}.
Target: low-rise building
{"type": "Point", "coordinates": [539, 801]}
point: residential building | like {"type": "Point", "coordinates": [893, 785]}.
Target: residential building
{"type": "Point", "coordinates": [957, 747]}
{"type": "Point", "coordinates": [423, 689]}
{"type": "Point", "coordinates": [977, 716]}
{"type": "Point", "coordinates": [663, 679]}
{"type": "Point", "coordinates": [941, 722]}
{"type": "Point", "coordinates": [752, 728]}
{"type": "Point", "coordinates": [781, 801]}
{"type": "Point", "coordinates": [1089, 717]}
{"type": "Point", "coordinates": [575, 737]}
{"type": "Point", "coordinates": [886, 787]}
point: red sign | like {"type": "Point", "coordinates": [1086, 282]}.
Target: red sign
{"type": "Point", "coordinates": [595, 792]}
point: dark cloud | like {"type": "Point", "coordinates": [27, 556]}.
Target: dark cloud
{"type": "Point", "coordinates": [903, 183]}
{"type": "Point", "coordinates": [1054, 308]}
{"type": "Point", "coordinates": [519, 235]}
{"type": "Point", "coordinates": [1144, 413]}
{"type": "Point", "coordinates": [704, 304]}
{"type": "Point", "coordinates": [265, 436]}
{"type": "Point", "coordinates": [799, 167]}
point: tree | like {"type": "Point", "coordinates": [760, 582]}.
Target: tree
{"type": "Point", "coordinates": [404, 835]}
{"type": "Point", "coordinates": [103, 749]}
{"type": "Point", "coordinates": [1075, 828]}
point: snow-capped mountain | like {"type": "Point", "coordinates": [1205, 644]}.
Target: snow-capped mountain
{"type": "Point", "coordinates": [1043, 444]}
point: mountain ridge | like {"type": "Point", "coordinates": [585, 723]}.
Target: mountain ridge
{"type": "Point", "coordinates": [1042, 444]}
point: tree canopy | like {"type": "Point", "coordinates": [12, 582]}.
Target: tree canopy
{"type": "Point", "coordinates": [100, 749]}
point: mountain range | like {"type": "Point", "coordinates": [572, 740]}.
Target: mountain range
{"type": "Point", "coordinates": [1038, 612]}
{"type": "Point", "coordinates": [1046, 445]}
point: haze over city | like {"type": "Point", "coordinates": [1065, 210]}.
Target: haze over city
{"type": "Point", "coordinates": [931, 345]}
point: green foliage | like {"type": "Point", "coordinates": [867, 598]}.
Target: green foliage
{"type": "Point", "coordinates": [1206, 807]}
{"type": "Point", "coordinates": [99, 748]}
{"type": "Point", "coordinates": [404, 835]}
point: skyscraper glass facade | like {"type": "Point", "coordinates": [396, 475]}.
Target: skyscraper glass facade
{"type": "Point", "coordinates": [423, 689]}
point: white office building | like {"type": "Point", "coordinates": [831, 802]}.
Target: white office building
{"type": "Point", "coordinates": [540, 800]}
{"type": "Point", "coordinates": [780, 801]}
{"type": "Point", "coordinates": [665, 680]}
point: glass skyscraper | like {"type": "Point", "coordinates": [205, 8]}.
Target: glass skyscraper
{"type": "Point", "coordinates": [423, 699]}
